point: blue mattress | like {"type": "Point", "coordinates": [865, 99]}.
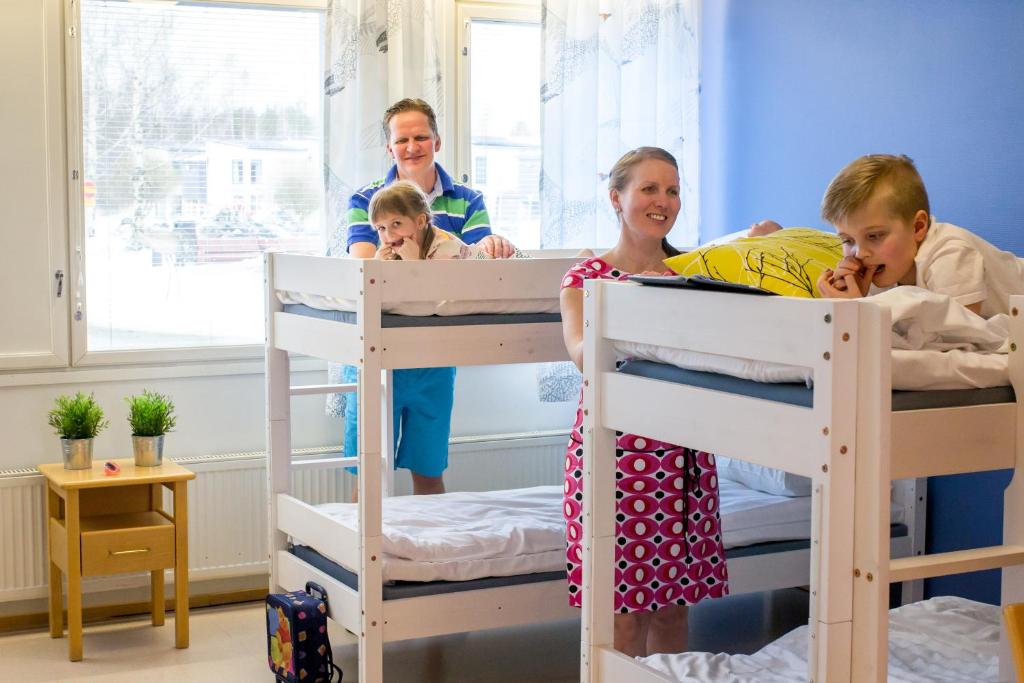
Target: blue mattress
{"type": "Point", "coordinates": [895, 531]}
{"type": "Point", "coordinates": [391, 320]}
{"type": "Point", "coordinates": [414, 589]}
{"type": "Point", "coordinates": [801, 395]}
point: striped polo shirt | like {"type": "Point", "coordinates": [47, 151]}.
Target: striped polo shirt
{"type": "Point", "coordinates": [459, 209]}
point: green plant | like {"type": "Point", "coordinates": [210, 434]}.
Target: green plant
{"type": "Point", "coordinates": [151, 414]}
{"type": "Point", "coordinates": [77, 417]}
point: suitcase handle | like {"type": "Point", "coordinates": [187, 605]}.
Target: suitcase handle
{"type": "Point", "coordinates": [317, 591]}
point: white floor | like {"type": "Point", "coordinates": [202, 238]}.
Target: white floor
{"type": "Point", "coordinates": [228, 645]}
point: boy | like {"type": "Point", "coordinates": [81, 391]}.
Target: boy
{"type": "Point", "coordinates": [879, 207]}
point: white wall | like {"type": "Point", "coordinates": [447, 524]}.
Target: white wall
{"type": "Point", "coordinates": [225, 414]}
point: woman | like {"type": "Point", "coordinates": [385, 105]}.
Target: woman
{"type": "Point", "coordinates": [668, 552]}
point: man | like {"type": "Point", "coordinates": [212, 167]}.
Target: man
{"type": "Point", "coordinates": [422, 397]}
{"type": "Point", "coordinates": [412, 141]}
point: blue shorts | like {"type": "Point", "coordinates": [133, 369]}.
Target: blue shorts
{"type": "Point", "coordinates": [422, 410]}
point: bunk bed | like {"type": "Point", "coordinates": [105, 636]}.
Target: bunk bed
{"type": "Point", "coordinates": [849, 433]}
{"type": "Point", "coordinates": [381, 316]}
{"type": "Point", "coordinates": [338, 310]}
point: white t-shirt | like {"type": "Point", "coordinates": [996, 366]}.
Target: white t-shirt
{"type": "Point", "coordinates": [957, 262]}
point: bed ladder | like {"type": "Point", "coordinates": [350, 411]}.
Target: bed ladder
{"type": "Point", "coordinates": [955, 562]}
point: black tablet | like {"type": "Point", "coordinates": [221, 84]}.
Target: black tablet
{"type": "Point", "coordinates": [698, 282]}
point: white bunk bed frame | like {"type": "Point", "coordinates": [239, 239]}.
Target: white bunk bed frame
{"type": "Point", "coordinates": [373, 285]}
{"type": "Point", "coordinates": [850, 443]}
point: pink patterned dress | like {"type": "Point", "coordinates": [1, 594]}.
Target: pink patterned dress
{"type": "Point", "coordinates": [668, 535]}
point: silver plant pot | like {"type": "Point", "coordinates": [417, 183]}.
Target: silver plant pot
{"type": "Point", "coordinates": [148, 450]}
{"type": "Point", "coordinates": [77, 453]}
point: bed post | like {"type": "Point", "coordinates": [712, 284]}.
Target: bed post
{"type": "Point", "coordinates": [279, 438]}
{"type": "Point", "coordinates": [872, 504]}
{"type": "Point", "coordinates": [912, 496]}
{"type": "Point", "coordinates": [371, 636]}
{"type": "Point", "coordinates": [387, 397]}
{"type": "Point", "coordinates": [834, 350]}
{"type": "Point", "coordinates": [1013, 500]}
{"type": "Point", "coordinates": [598, 489]}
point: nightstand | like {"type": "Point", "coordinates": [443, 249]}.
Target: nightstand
{"type": "Point", "coordinates": [99, 525]}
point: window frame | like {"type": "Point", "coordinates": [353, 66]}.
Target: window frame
{"type": "Point", "coordinates": [466, 11]}
{"type": "Point", "coordinates": [80, 355]}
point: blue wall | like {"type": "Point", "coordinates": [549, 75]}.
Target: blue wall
{"type": "Point", "coordinates": [792, 90]}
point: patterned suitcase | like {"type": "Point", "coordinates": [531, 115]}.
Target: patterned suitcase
{"type": "Point", "coordinates": [298, 649]}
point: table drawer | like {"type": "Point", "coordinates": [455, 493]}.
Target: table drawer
{"type": "Point", "coordinates": [113, 551]}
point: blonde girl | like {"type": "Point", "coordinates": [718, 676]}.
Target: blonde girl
{"type": "Point", "coordinates": [400, 213]}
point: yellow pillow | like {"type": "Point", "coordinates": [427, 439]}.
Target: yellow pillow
{"type": "Point", "coordinates": [786, 262]}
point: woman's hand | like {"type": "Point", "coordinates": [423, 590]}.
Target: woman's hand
{"type": "Point", "coordinates": [496, 246]}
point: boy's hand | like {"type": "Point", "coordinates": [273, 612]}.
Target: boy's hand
{"type": "Point", "coordinates": [850, 265]}
{"type": "Point", "coordinates": [831, 288]}
{"type": "Point", "coordinates": [861, 275]}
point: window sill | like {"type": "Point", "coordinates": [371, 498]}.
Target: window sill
{"type": "Point", "coordinates": [123, 373]}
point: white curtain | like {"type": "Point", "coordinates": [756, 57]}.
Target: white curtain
{"type": "Point", "coordinates": [617, 74]}
{"type": "Point", "coordinates": [378, 52]}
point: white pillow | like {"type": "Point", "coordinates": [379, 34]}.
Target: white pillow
{"type": "Point", "coordinates": [760, 478]}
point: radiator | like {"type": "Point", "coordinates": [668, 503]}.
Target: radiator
{"type": "Point", "coordinates": [228, 506]}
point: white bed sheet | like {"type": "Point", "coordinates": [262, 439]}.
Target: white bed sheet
{"type": "Point", "coordinates": [750, 516]}
{"type": "Point", "coordinates": [937, 344]}
{"type": "Point", "coordinates": [469, 535]}
{"type": "Point", "coordinates": [941, 640]}
{"type": "Point", "coordinates": [423, 308]}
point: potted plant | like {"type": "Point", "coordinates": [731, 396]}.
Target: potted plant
{"type": "Point", "coordinates": [77, 420]}
{"type": "Point", "coordinates": [150, 415]}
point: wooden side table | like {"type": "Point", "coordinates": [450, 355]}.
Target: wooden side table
{"type": "Point", "coordinates": [99, 524]}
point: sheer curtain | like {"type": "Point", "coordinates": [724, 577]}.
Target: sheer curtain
{"type": "Point", "coordinates": [617, 74]}
{"type": "Point", "coordinates": [378, 52]}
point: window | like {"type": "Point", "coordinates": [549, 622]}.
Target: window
{"type": "Point", "coordinates": [178, 102]}
{"type": "Point", "coordinates": [480, 172]}
{"type": "Point", "coordinates": [503, 115]}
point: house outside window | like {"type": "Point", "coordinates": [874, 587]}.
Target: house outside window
{"type": "Point", "coordinates": [202, 129]}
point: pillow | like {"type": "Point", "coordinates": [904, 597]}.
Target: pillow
{"type": "Point", "coordinates": [760, 478]}
{"type": "Point", "coordinates": [786, 262]}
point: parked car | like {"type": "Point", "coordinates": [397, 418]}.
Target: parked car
{"type": "Point", "coordinates": [234, 240]}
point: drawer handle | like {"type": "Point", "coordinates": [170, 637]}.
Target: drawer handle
{"type": "Point", "coordinates": [136, 551]}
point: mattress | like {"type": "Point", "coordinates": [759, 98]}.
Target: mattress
{"type": "Point", "coordinates": [465, 536]}
{"type": "Point", "coordinates": [428, 308]}
{"type": "Point", "coordinates": [398, 590]}
{"type": "Point", "coordinates": [753, 517]}
{"type": "Point", "coordinates": [801, 395]}
{"type": "Point", "coordinates": [936, 344]}
{"type": "Point", "coordinates": [426, 320]}
{"type": "Point", "coordinates": [941, 640]}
